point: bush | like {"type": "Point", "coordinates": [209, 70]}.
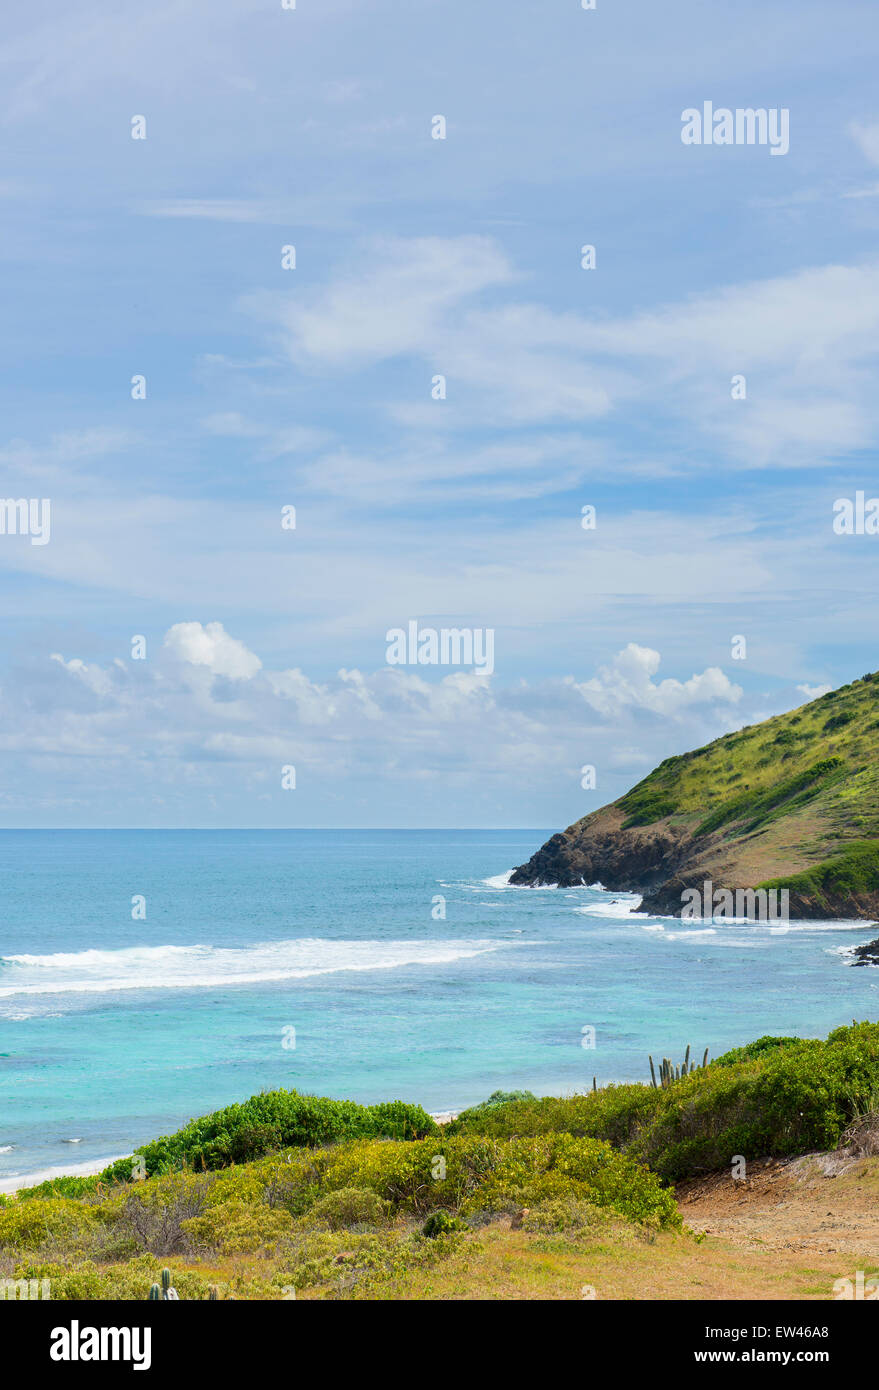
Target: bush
{"type": "Point", "coordinates": [155, 1216]}
{"type": "Point", "coordinates": [472, 1174]}
{"type": "Point", "coordinates": [62, 1187]}
{"type": "Point", "coordinates": [615, 1114]}
{"type": "Point", "coordinates": [774, 1096]}
{"type": "Point", "coordinates": [561, 1214]}
{"type": "Point", "coordinates": [759, 1048]}
{"type": "Point", "coordinates": [758, 808]}
{"type": "Point", "coordinates": [349, 1207]}
{"type": "Point", "coordinates": [440, 1223]}
{"type": "Point", "coordinates": [127, 1281]}
{"type": "Point", "coordinates": [268, 1122]}
{"type": "Point", "coordinates": [560, 1166]}
{"type": "Point", "coordinates": [238, 1228]}
{"type": "Point", "coordinates": [498, 1098]}
{"type": "Point", "coordinates": [28, 1225]}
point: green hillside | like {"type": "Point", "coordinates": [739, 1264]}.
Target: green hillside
{"type": "Point", "coordinates": [792, 802]}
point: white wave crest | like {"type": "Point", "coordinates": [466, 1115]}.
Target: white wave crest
{"type": "Point", "coordinates": [193, 967]}
{"type": "Point", "coordinates": [623, 905]}
{"type": "Point", "coordinates": [499, 880]}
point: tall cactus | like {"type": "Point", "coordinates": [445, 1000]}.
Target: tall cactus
{"type": "Point", "coordinates": [668, 1072]}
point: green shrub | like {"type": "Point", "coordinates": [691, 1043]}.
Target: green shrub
{"type": "Point", "coordinates": [62, 1187]}
{"type": "Point", "coordinates": [471, 1173]}
{"type": "Point", "coordinates": [774, 1096]}
{"type": "Point", "coordinates": [562, 1214]}
{"type": "Point", "coordinates": [440, 1223]}
{"type": "Point", "coordinates": [649, 801]}
{"type": "Point", "coordinates": [558, 1166]}
{"type": "Point", "coordinates": [838, 721]}
{"type": "Point", "coordinates": [236, 1228]}
{"type": "Point", "coordinates": [348, 1207]}
{"type": "Point", "coordinates": [759, 1048]}
{"type": "Point", "coordinates": [615, 1114]}
{"type": "Point", "coordinates": [498, 1098]}
{"type": "Point", "coordinates": [270, 1121]}
{"type": "Point", "coordinates": [129, 1281]}
{"type": "Point", "coordinates": [28, 1225]}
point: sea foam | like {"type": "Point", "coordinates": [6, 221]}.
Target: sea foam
{"type": "Point", "coordinates": [193, 967]}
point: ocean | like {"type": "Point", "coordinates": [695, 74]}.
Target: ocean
{"type": "Point", "coordinates": [363, 964]}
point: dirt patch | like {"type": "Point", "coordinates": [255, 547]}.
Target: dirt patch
{"type": "Point", "coordinates": [820, 1203]}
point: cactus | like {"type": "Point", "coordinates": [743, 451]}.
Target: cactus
{"type": "Point", "coordinates": [154, 1291]}
{"type": "Point", "coordinates": [213, 1293]}
{"type": "Point", "coordinates": [668, 1072]}
{"type": "Point", "coordinates": [169, 1293]}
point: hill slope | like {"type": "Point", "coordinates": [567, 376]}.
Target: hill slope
{"type": "Point", "coordinates": [790, 803]}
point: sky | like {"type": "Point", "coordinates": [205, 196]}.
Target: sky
{"type": "Point", "coordinates": [438, 387]}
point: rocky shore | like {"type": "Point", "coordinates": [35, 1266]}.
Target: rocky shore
{"type": "Point", "coordinates": [868, 954]}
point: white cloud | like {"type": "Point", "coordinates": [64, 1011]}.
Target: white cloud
{"type": "Point", "coordinates": [211, 646]}
{"type": "Point", "coordinates": [627, 682]}
{"type": "Point", "coordinates": [804, 341]}
{"type": "Point", "coordinates": [358, 739]}
{"type": "Point", "coordinates": [812, 692]}
{"type": "Point", "coordinates": [94, 677]}
{"type": "Point", "coordinates": [218, 210]}
{"type": "Point", "coordinates": [395, 304]}
{"type": "Point", "coordinates": [394, 717]}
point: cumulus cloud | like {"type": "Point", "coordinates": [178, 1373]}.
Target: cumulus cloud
{"type": "Point", "coordinates": [627, 682]}
{"type": "Point", "coordinates": [94, 677]}
{"type": "Point", "coordinates": [395, 721]}
{"type": "Point", "coordinates": [210, 645]}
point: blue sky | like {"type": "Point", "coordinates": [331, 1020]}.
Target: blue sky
{"type": "Point", "coordinates": [312, 387]}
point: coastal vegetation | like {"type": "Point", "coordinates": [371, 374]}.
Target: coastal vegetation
{"type": "Point", "coordinates": [298, 1196]}
{"type": "Point", "coordinates": [790, 803]}
{"type": "Point", "coordinates": [778, 1096]}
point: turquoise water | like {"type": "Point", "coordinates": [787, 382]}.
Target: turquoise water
{"type": "Point", "coordinates": [113, 1030]}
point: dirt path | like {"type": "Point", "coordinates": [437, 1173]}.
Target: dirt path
{"type": "Point", "coordinates": [819, 1204]}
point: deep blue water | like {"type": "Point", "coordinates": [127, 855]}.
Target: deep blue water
{"type": "Point", "coordinates": [113, 1030]}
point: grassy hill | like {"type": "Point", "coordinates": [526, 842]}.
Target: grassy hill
{"type": "Point", "coordinates": [792, 802]}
